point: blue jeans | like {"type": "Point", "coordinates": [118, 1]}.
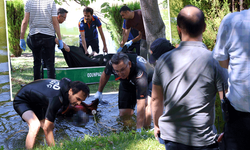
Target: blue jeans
{"type": "Point", "coordinates": [178, 146]}
{"type": "Point", "coordinates": [236, 131]}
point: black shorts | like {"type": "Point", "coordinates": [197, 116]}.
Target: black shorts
{"type": "Point", "coordinates": [22, 106]}
{"type": "Point", "coordinates": [94, 45]}
{"type": "Point", "coordinates": [127, 95]}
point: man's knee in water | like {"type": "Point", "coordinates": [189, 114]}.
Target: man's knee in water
{"type": "Point", "coordinates": [126, 112]}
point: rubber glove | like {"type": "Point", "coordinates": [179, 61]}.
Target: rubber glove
{"type": "Point", "coordinates": [60, 46]}
{"type": "Point", "coordinates": [138, 130]}
{"type": "Point", "coordinates": [129, 43]}
{"type": "Point", "coordinates": [119, 50]}
{"type": "Point", "coordinates": [22, 44]}
{"type": "Point", "coordinates": [98, 95]}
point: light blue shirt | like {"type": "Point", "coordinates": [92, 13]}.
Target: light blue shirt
{"type": "Point", "coordinates": [233, 43]}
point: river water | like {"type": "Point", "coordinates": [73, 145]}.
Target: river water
{"type": "Point", "coordinates": [13, 130]}
{"type": "Point", "coordinates": [5, 102]}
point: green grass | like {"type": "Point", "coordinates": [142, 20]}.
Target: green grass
{"type": "Point", "coordinates": [123, 140]}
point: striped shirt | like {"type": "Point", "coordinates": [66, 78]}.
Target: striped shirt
{"type": "Point", "coordinates": [41, 13]}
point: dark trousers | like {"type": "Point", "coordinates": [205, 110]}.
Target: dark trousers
{"type": "Point", "coordinates": [136, 46]}
{"type": "Point", "coordinates": [38, 43]}
{"type": "Point", "coordinates": [236, 131]}
{"type": "Point", "coordinates": [94, 45]}
{"type": "Point", "coordinates": [177, 146]}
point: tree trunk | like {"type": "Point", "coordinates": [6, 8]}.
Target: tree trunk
{"type": "Point", "coordinates": [153, 23]}
{"type": "Point", "coordinates": [232, 5]}
{"type": "Point", "coordinates": [241, 5]}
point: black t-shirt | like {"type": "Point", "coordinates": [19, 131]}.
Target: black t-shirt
{"type": "Point", "coordinates": [46, 93]}
{"type": "Point", "coordinates": [140, 75]}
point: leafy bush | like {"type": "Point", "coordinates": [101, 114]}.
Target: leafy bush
{"type": "Point", "coordinates": [15, 15]}
{"type": "Point", "coordinates": [115, 19]}
{"type": "Point", "coordinates": [214, 12]}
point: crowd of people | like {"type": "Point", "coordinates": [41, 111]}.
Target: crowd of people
{"type": "Point", "coordinates": [176, 87]}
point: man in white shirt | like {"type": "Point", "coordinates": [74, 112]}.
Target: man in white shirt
{"type": "Point", "coordinates": [232, 50]}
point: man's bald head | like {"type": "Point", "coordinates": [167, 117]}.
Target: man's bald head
{"type": "Point", "coordinates": [191, 19]}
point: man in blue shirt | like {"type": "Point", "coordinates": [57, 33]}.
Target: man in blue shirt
{"type": "Point", "coordinates": [88, 33]}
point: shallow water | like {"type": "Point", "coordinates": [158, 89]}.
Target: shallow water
{"type": "Point", "coordinates": [13, 130]}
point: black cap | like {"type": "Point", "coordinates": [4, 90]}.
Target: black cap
{"type": "Point", "coordinates": [159, 47]}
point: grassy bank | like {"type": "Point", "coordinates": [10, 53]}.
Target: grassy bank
{"type": "Point", "coordinates": [118, 141]}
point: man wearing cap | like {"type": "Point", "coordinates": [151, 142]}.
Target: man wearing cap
{"type": "Point", "coordinates": [185, 82]}
{"type": "Point", "coordinates": [159, 47]}
{"type": "Point", "coordinates": [134, 20]}
{"type": "Point", "coordinates": [88, 33]}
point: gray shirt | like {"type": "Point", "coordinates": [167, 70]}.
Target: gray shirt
{"type": "Point", "coordinates": [190, 78]}
{"type": "Point", "coordinates": [41, 12]}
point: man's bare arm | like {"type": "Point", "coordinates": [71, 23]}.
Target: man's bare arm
{"type": "Point", "coordinates": [157, 106]}
{"type": "Point", "coordinates": [65, 46]}
{"type": "Point", "coordinates": [84, 45]}
{"type": "Point", "coordinates": [224, 64]}
{"type": "Point", "coordinates": [56, 27]}
{"type": "Point", "coordinates": [125, 36]}
{"type": "Point", "coordinates": [24, 24]}
{"type": "Point", "coordinates": [103, 81]}
{"type": "Point", "coordinates": [140, 113]}
{"type": "Point", "coordinates": [137, 38]}
{"type": "Point", "coordinates": [48, 131]}
{"type": "Point", "coordinates": [105, 49]}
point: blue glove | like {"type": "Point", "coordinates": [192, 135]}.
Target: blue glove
{"type": "Point", "coordinates": [98, 95]}
{"type": "Point", "coordinates": [138, 130]}
{"type": "Point", "coordinates": [119, 50]}
{"type": "Point", "coordinates": [60, 46]}
{"type": "Point", "coordinates": [22, 44]}
{"type": "Point", "coordinates": [129, 43]}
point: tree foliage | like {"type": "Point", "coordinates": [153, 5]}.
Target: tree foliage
{"type": "Point", "coordinates": [15, 15]}
{"type": "Point", "coordinates": [214, 12]}
{"type": "Point", "coordinates": [80, 2]}
{"type": "Point", "coordinates": [115, 20]}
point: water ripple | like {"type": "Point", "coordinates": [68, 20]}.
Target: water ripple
{"type": "Point", "coordinates": [4, 79]}
{"type": "Point", "coordinates": [4, 96]}
{"type": "Point", "coordinates": [3, 52]}
{"type": "Point", "coordinates": [4, 67]}
{"type": "Point", "coordinates": [7, 87]}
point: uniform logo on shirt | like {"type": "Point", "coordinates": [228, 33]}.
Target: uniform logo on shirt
{"type": "Point", "coordinates": [54, 84]}
{"type": "Point", "coordinates": [141, 59]}
{"type": "Point", "coordinates": [132, 82]}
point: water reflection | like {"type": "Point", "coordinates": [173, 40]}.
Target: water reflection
{"type": "Point", "coordinates": [13, 130]}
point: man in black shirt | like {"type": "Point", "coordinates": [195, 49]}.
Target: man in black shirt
{"type": "Point", "coordinates": [135, 74]}
{"type": "Point", "coordinates": [39, 101]}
